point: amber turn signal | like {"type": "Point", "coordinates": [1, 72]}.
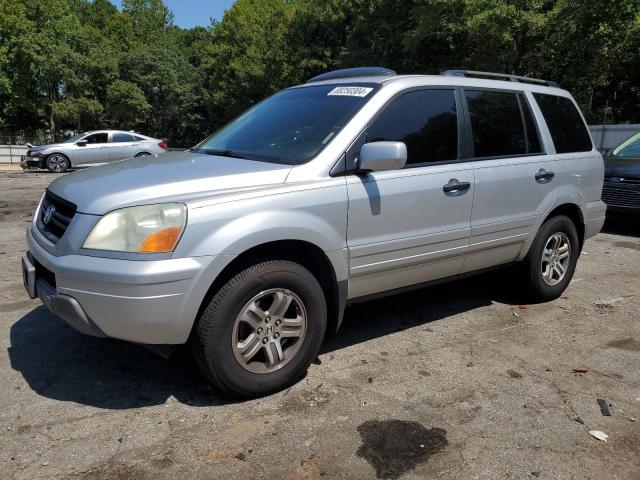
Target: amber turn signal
{"type": "Point", "coordinates": [160, 241]}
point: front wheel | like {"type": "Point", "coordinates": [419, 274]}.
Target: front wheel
{"type": "Point", "coordinates": [57, 163]}
{"type": "Point", "coordinates": [261, 330]}
{"type": "Point", "coordinates": [552, 259]}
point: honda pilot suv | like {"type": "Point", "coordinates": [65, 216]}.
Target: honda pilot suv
{"type": "Point", "coordinates": [357, 183]}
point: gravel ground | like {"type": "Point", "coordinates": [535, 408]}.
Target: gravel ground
{"type": "Point", "coordinates": [457, 381]}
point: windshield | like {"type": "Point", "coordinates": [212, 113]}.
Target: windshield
{"type": "Point", "coordinates": [290, 127]}
{"type": "Point", "coordinates": [75, 138]}
{"type": "Point", "coordinates": [628, 148]}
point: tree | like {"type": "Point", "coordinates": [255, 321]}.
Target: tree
{"type": "Point", "coordinates": [127, 105]}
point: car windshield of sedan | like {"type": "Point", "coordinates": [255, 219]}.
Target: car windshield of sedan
{"type": "Point", "coordinates": [628, 148]}
{"type": "Point", "coordinates": [290, 127]}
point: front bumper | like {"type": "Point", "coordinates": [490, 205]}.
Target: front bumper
{"type": "Point", "coordinates": [152, 302]}
{"type": "Point", "coordinates": [31, 162]}
{"type": "Point", "coordinates": [622, 198]}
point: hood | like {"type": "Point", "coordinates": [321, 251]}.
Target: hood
{"type": "Point", "coordinates": [174, 176]}
{"type": "Point", "coordinates": [623, 167]}
{"type": "Point", "coordinates": [36, 148]}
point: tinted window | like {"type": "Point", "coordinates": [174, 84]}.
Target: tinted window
{"type": "Point", "coordinates": [139, 138]}
{"type": "Point", "coordinates": [496, 123]}
{"type": "Point", "coordinates": [122, 137]}
{"type": "Point", "coordinates": [97, 138]}
{"type": "Point", "coordinates": [533, 138]}
{"type": "Point", "coordinates": [292, 126]}
{"type": "Point", "coordinates": [425, 120]}
{"type": "Point", "coordinates": [566, 126]}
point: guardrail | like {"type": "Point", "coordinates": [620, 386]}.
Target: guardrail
{"type": "Point", "coordinates": [11, 153]}
{"type": "Point", "coordinates": [606, 137]}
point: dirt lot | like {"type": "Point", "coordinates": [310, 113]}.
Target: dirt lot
{"type": "Point", "coordinates": [452, 382]}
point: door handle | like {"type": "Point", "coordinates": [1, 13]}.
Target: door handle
{"type": "Point", "coordinates": [543, 176]}
{"type": "Point", "coordinates": [454, 186]}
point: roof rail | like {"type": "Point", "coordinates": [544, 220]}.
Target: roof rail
{"type": "Point", "coordinates": [499, 76]}
{"type": "Point", "coordinates": [353, 72]}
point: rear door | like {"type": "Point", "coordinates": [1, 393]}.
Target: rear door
{"type": "Point", "coordinates": [412, 225]}
{"type": "Point", "coordinates": [95, 151]}
{"type": "Point", "coordinates": [121, 146]}
{"type": "Point", "coordinates": [514, 177]}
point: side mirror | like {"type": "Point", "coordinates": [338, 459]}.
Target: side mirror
{"type": "Point", "coordinates": [380, 156]}
{"type": "Point", "coordinates": [81, 143]}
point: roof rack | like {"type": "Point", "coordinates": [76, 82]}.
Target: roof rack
{"type": "Point", "coordinates": [499, 76]}
{"type": "Point", "coordinates": [353, 72]}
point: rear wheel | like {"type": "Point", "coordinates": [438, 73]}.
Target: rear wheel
{"type": "Point", "coordinates": [552, 259]}
{"type": "Point", "coordinates": [143, 154]}
{"type": "Point", "coordinates": [57, 163]}
{"type": "Point", "coordinates": [262, 329]}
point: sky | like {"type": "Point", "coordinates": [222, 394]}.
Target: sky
{"type": "Point", "coordinates": [189, 13]}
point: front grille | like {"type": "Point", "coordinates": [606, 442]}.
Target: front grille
{"type": "Point", "coordinates": [618, 197]}
{"type": "Point", "coordinates": [54, 217]}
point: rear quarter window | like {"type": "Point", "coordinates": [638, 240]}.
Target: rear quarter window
{"type": "Point", "coordinates": [567, 129]}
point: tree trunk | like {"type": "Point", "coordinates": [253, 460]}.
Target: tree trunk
{"type": "Point", "coordinates": [52, 120]}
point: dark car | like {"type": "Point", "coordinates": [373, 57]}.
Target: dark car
{"type": "Point", "coordinates": [621, 190]}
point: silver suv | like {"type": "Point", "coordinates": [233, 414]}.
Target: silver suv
{"type": "Point", "coordinates": [358, 183]}
{"type": "Point", "coordinates": [91, 148]}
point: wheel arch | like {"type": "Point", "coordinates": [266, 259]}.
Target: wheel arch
{"type": "Point", "coordinates": [307, 254]}
{"type": "Point", "coordinates": [572, 211]}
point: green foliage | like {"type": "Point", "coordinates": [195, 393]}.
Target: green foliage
{"type": "Point", "coordinates": [126, 104]}
{"type": "Point", "coordinates": [78, 113]}
{"type": "Point", "coordinates": [68, 65]}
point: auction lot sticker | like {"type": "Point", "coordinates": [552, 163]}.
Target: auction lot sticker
{"type": "Point", "coordinates": [350, 91]}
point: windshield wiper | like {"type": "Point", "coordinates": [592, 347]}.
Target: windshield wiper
{"type": "Point", "coordinates": [224, 153]}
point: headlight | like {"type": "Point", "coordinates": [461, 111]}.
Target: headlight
{"type": "Point", "coordinates": [144, 229]}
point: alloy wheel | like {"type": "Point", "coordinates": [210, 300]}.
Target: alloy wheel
{"type": "Point", "coordinates": [57, 163]}
{"type": "Point", "coordinates": [556, 257]}
{"type": "Point", "coordinates": [269, 330]}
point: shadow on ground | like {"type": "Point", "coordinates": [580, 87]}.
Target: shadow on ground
{"type": "Point", "coordinates": [377, 318]}
{"type": "Point", "coordinates": [59, 363]}
{"type": "Point", "coordinates": [628, 227]}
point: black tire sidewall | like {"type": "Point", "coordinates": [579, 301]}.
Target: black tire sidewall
{"type": "Point", "coordinates": [554, 225]}
{"type": "Point", "coordinates": [218, 320]}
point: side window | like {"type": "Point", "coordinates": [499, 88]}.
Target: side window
{"type": "Point", "coordinates": [97, 138]}
{"type": "Point", "coordinates": [496, 123]}
{"type": "Point", "coordinates": [121, 137]}
{"type": "Point", "coordinates": [533, 137]}
{"type": "Point", "coordinates": [425, 120]}
{"type": "Point", "coordinates": [138, 138]}
{"type": "Point", "coordinates": [568, 131]}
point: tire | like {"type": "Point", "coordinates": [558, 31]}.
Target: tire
{"type": "Point", "coordinates": [142, 154]}
{"type": "Point", "coordinates": [57, 163]}
{"type": "Point", "coordinates": [240, 309]}
{"type": "Point", "coordinates": [541, 281]}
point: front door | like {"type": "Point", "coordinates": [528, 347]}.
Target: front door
{"type": "Point", "coordinates": [412, 225]}
{"type": "Point", "coordinates": [95, 151]}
